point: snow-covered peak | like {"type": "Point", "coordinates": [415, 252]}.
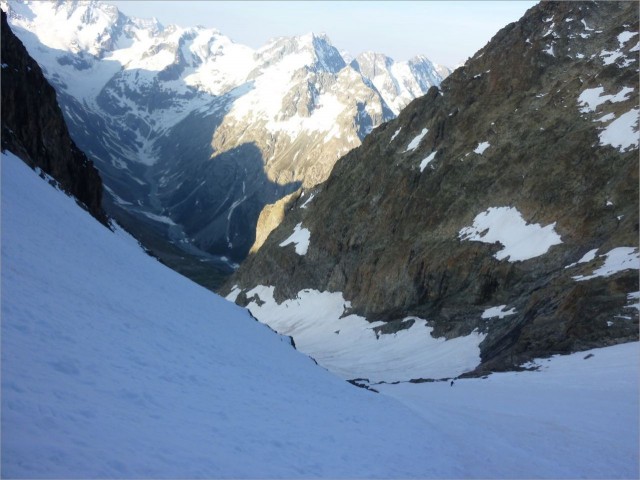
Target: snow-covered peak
{"type": "Point", "coordinates": [314, 51]}
{"type": "Point", "coordinates": [397, 82]}
{"type": "Point", "coordinates": [83, 26]}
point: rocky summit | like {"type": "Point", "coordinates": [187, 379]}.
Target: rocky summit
{"type": "Point", "coordinates": [494, 221]}
{"type": "Point", "coordinates": [194, 134]}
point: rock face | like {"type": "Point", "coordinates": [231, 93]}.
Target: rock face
{"type": "Point", "coordinates": [193, 133]}
{"type": "Point", "coordinates": [504, 203]}
{"type": "Point", "coordinates": [34, 129]}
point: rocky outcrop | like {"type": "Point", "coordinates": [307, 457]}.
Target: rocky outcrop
{"type": "Point", "coordinates": [34, 129]}
{"type": "Point", "coordinates": [505, 202]}
{"type": "Point", "coordinates": [270, 217]}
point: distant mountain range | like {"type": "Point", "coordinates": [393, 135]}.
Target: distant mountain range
{"type": "Point", "coordinates": [194, 134]}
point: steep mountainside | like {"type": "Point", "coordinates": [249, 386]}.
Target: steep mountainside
{"type": "Point", "coordinates": [494, 220]}
{"type": "Point", "coordinates": [195, 134]}
{"type": "Point", "coordinates": [34, 129]}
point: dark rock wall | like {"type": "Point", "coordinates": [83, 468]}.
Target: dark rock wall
{"type": "Point", "coordinates": [33, 127]}
{"type": "Point", "coordinates": [386, 234]}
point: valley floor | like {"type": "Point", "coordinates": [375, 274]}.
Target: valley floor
{"type": "Point", "coordinates": [115, 366]}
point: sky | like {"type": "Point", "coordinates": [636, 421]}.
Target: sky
{"type": "Point", "coordinates": [447, 32]}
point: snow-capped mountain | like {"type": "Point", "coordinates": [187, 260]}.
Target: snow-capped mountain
{"type": "Point", "coordinates": [193, 133]}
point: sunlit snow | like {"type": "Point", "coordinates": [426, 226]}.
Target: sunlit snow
{"type": "Point", "coordinates": [520, 240]}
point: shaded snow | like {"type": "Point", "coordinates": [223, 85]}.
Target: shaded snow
{"type": "Point", "coordinates": [576, 417]}
{"type": "Point", "coordinates": [395, 135]}
{"type": "Point", "coordinates": [520, 240]}
{"type": "Point", "coordinates": [300, 238]}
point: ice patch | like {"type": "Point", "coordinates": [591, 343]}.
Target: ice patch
{"type": "Point", "coordinates": [416, 141]}
{"type": "Point", "coordinates": [520, 240]}
{"type": "Point", "coordinates": [300, 238]}
{"type": "Point", "coordinates": [617, 260]}
{"type": "Point", "coordinates": [427, 161]}
{"type": "Point", "coordinates": [498, 311]}
{"type": "Point", "coordinates": [622, 133]}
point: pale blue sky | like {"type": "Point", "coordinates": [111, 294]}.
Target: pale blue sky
{"type": "Point", "coordinates": [447, 32]}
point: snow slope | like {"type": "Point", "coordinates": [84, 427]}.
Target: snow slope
{"type": "Point", "coordinates": [115, 366]}
{"type": "Point", "coordinates": [577, 417]}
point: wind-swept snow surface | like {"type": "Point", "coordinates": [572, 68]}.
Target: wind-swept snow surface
{"type": "Point", "coordinates": [115, 366]}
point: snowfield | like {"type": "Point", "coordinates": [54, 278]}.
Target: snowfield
{"type": "Point", "coordinates": [115, 366]}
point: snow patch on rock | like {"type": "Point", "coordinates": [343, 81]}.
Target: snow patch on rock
{"type": "Point", "coordinates": [300, 238]}
{"type": "Point", "coordinates": [520, 240]}
{"type": "Point", "coordinates": [617, 260]}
